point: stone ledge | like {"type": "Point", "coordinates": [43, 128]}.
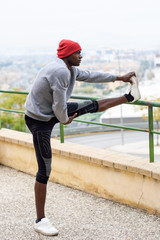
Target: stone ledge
{"type": "Point", "coordinates": [106, 158]}
{"type": "Point", "coordinates": [16, 137]}
{"type": "Point", "coordinates": [116, 176]}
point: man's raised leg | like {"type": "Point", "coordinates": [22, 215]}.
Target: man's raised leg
{"type": "Point", "coordinates": [104, 104]}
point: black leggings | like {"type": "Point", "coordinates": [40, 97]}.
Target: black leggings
{"type": "Point", "coordinates": [41, 132]}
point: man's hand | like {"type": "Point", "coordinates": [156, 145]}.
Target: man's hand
{"type": "Point", "coordinates": [70, 119]}
{"type": "Point", "coordinates": [126, 77]}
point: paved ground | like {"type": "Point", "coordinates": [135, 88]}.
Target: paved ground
{"type": "Point", "coordinates": [77, 215]}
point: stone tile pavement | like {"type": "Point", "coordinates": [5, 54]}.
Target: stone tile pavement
{"type": "Point", "coordinates": [77, 215]}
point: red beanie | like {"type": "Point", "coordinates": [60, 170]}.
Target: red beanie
{"type": "Point", "coordinates": [67, 47]}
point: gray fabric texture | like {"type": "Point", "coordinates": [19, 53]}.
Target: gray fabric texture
{"type": "Point", "coordinates": [53, 87]}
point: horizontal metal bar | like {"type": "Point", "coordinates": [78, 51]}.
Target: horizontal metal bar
{"type": "Point", "coordinates": [9, 110]}
{"type": "Point", "coordinates": [146, 103]}
{"type": "Point", "coordinates": [111, 125]}
{"type": "Point", "coordinates": [89, 122]}
{"type": "Point", "coordinates": [14, 92]}
{"type": "Point", "coordinates": [156, 132]}
{"type": "Point", "coordinates": [139, 102]}
{"type": "Point", "coordinates": [84, 98]}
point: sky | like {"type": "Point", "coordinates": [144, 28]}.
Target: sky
{"type": "Point", "coordinates": [41, 24]}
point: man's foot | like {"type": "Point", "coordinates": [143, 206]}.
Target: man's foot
{"type": "Point", "coordinates": [134, 93]}
{"type": "Point", "coordinates": [45, 227]}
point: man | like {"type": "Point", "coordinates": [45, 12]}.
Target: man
{"type": "Point", "coordinates": [47, 105]}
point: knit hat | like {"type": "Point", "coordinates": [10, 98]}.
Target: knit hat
{"type": "Point", "coordinates": [67, 47]}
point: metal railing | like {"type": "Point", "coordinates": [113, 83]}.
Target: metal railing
{"type": "Point", "coordinates": [150, 129]}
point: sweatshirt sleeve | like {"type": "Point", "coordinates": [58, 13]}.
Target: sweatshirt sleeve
{"type": "Point", "coordinates": [94, 77]}
{"type": "Point", "coordinates": [59, 105]}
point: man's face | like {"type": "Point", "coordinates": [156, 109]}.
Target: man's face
{"type": "Point", "coordinates": [75, 58]}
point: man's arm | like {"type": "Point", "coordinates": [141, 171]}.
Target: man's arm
{"type": "Point", "coordinates": [59, 105]}
{"type": "Point", "coordinates": [94, 77]}
{"type": "Point", "coordinates": [99, 77]}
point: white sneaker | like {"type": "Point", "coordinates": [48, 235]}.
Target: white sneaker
{"type": "Point", "coordinates": [45, 227]}
{"type": "Point", "coordinates": [134, 90]}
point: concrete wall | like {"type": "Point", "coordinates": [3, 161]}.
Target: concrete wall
{"type": "Point", "coordinates": [120, 177]}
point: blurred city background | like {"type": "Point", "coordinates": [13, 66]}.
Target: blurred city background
{"type": "Point", "coordinates": [116, 37]}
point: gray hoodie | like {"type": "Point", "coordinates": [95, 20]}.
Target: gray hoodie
{"type": "Point", "coordinates": [53, 87]}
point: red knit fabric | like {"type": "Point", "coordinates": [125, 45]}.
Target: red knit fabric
{"type": "Point", "coordinates": [67, 47]}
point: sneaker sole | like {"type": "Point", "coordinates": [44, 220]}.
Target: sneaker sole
{"type": "Point", "coordinates": [45, 234]}
{"type": "Point", "coordinates": [137, 94]}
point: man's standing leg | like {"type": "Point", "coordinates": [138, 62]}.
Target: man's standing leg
{"type": "Point", "coordinates": [40, 198]}
{"type": "Point", "coordinates": [44, 156]}
{"type": "Point", "coordinates": [41, 132]}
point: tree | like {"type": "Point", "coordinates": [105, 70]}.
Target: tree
{"type": "Point", "coordinates": [13, 120]}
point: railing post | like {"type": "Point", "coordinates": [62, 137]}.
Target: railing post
{"type": "Point", "coordinates": [61, 132]}
{"type": "Point", "coordinates": [151, 136]}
